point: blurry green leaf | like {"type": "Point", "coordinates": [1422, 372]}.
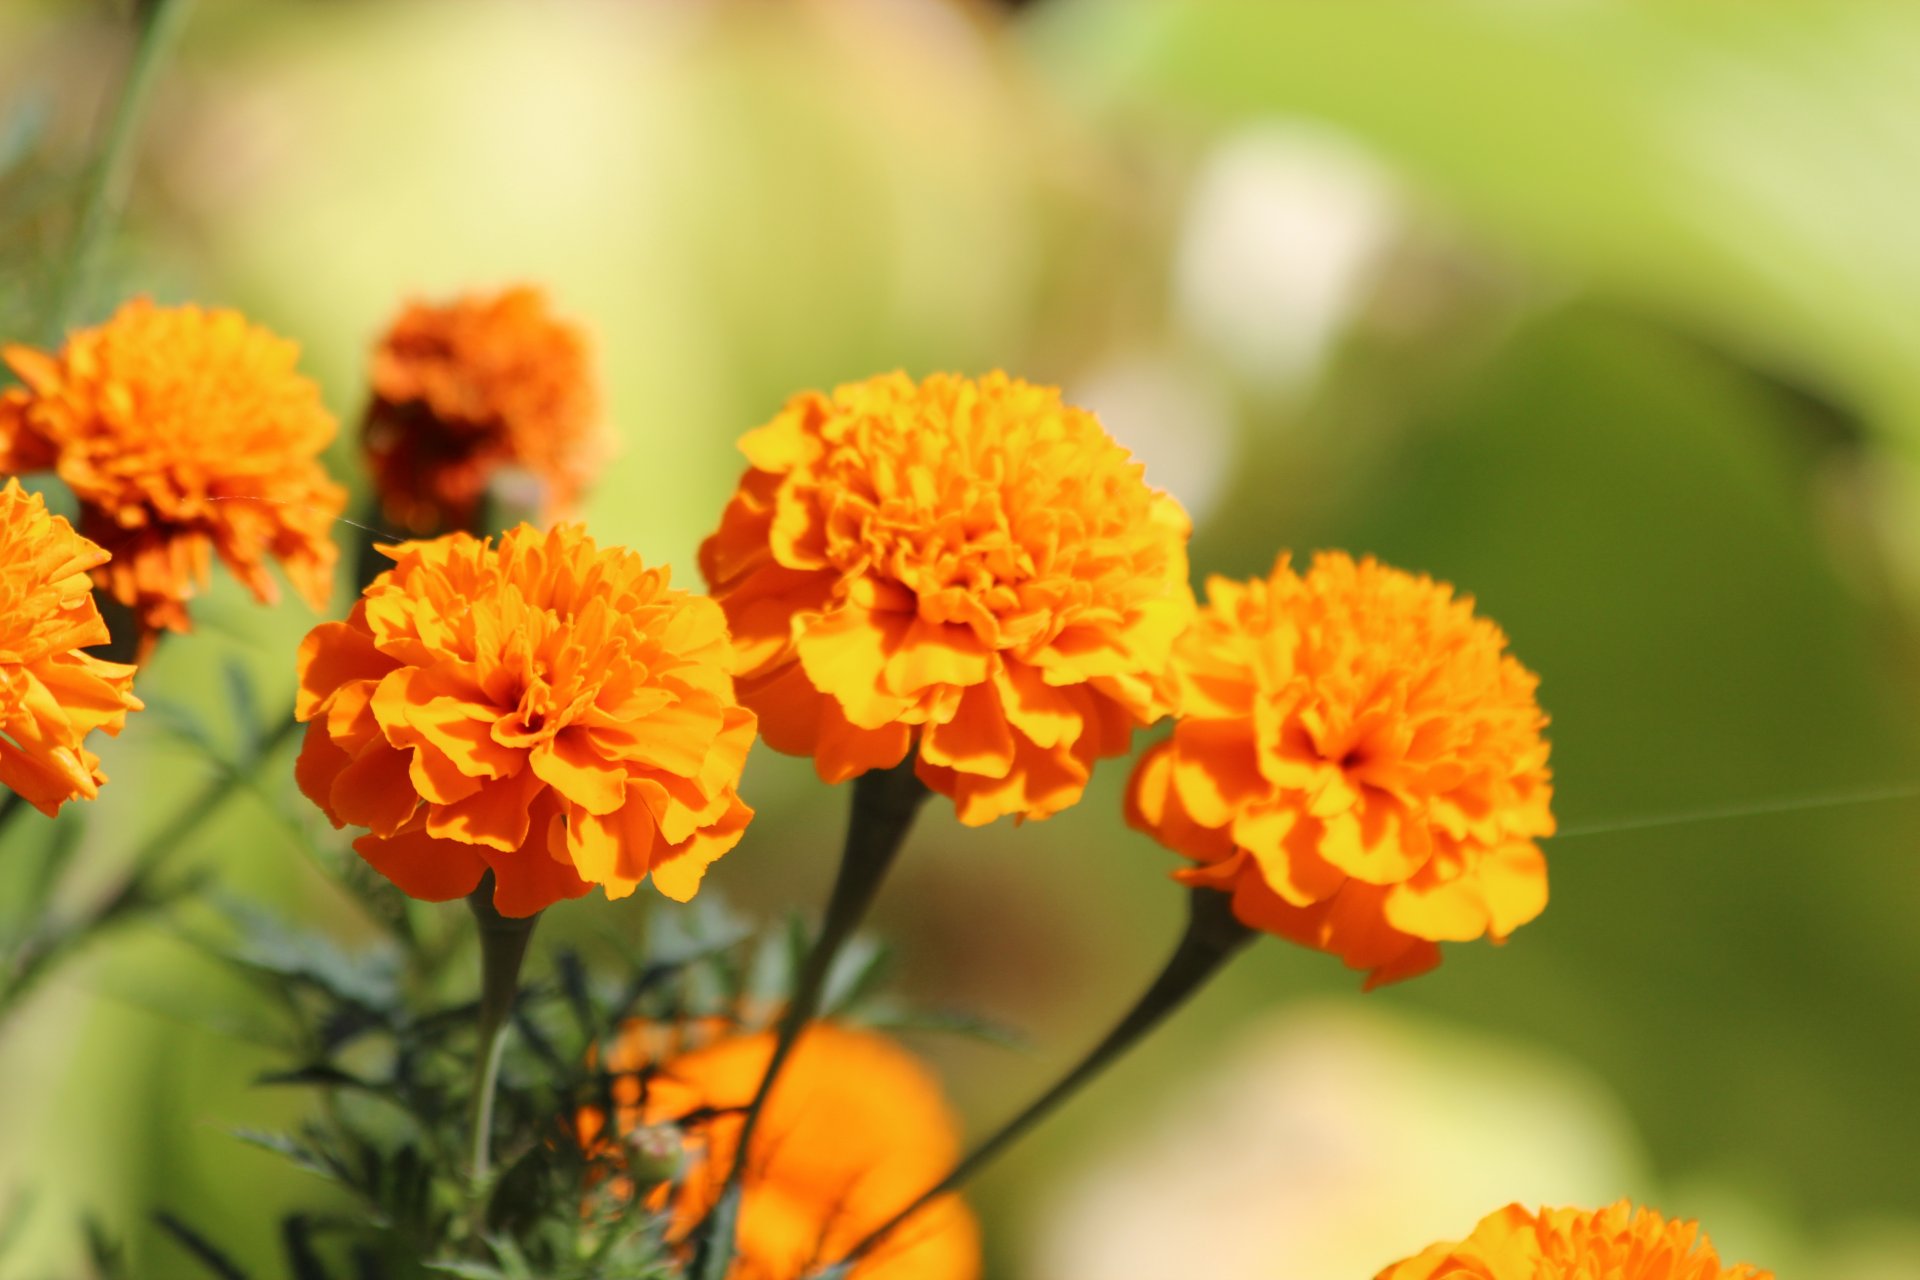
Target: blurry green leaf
{"type": "Point", "coordinates": [897, 1020]}
{"type": "Point", "coordinates": [243, 708]}
{"type": "Point", "coordinates": [203, 1251]}
{"type": "Point", "coordinates": [107, 1253]}
{"type": "Point", "coordinates": [13, 1219]}
{"type": "Point", "coordinates": [859, 973]}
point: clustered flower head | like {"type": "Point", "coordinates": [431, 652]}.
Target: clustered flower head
{"type": "Point", "coordinates": [464, 388]}
{"type": "Point", "coordinates": [1614, 1243]}
{"type": "Point", "coordinates": [546, 708]}
{"type": "Point", "coordinates": [1359, 762]}
{"type": "Point", "coordinates": [969, 570]}
{"type": "Point", "coordinates": [855, 1129]}
{"type": "Point", "coordinates": [51, 694]}
{"type": "Point", "coordinates": [184, 433]}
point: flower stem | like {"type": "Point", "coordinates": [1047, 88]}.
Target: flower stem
{"type": "Point", "coordinates": [503, 945]}
{"type": "Point", "coordinates": [884, 804]}
{"type": "Point", "coordinates": [44, 949]}
{"type": "Point", "coordinates": [107, 180]}
{"type": "Point", "coordinates": [1213, 937]}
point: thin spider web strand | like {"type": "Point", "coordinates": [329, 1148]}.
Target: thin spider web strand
{"type": "Point", "coordinates": [1729, 812]}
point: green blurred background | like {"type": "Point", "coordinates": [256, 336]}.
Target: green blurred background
{"type": "Point", "coordinates": [1607, 312]}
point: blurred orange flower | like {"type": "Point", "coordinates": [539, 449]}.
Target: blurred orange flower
{"type": "Point", "coordinates": [854, 1130]}
{"type": "Point", "coordinates": [1615, 1243]}
{"type": "Point", "coordinates": [183, 433]}
{"type": "Point", "coordinates": [1357, 761]}
{"type": "Point", "coordinates": [970, 569]}
{"type": "Point", "coordinates": [51, 694]}
{"type": "Point", "coordinates": [464, 388]}
{"type": "Point", "coordinates": [546, 708]}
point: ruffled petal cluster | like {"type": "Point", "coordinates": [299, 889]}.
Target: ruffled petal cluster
{"type": "Point", "coordinates": [853, 1132]}
{"type": "Point", "coordinates": [51, 694]}
{"type": "Point", "coordinates": [1358, 761]}
{"type": "Point", "coordinates": [970, 570]}
{"type": "Point", "coordinates": [185, 434]}
{"type": "Point", "coordinates": [464, 388]}
{"type": "Point", "coordinates": [1615, 1243]}
{"type": "Point", "coordinates": [546, 708]}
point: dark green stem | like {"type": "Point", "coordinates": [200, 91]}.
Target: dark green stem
{"type": "Point", "coordinates": [40, 953]}
{"type": "Point", "coordinates": [1213, 937]}
{"type": "Point", "coordinates": [109, 176]}
{"type": "Point", "coordinates": [884, 805]}
{"type": "Point", "coordinates": [503, 946]}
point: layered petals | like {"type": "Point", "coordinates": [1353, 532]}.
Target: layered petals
{"type": "Point", "coordinates": [1358, 761]}
{"type": "Point", "coordinates": [464, 388]}
{"type": "Point", "coordinates": [185, 434]}
{"type": "Point", "coordinates": [1618, 1242]}
{"type": "Point", "coordinates": [855, 1129]}
{"type": "Point", "coordinates": [545, 708]}
{"type": "Point", "coordinates": [52, 695]}
{"type": "Point", "coordinates": [968, 570]}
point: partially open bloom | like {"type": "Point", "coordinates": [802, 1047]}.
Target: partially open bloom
{"type": "Point", "coordinates": [51, 694]}
{"type": "Point", "coordinates": [855, 1129]}
{"type": "Point", "coordinates": [547, 708]}
{"type": "Point", "coordinates": [971, 570]}
{"type": "Point", "coordinates": [1358, 761]}
{"type": "Point", "coordinates": [464, 388]}
{"type": "Point", "coordinates": [1615, 1243]}
{"type": "Point", "coordinates": [184, 433]}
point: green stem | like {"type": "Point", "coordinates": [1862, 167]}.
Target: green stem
{"type": "Point", "coordinates": [884, 804]}
{"type": "Point", "coordinates": [503, 946]}
{"type": "Point", "coordinates": [107, 180]}
{"type": "Point", "coordinates": [40, 953]}
{"type": "Point", "coordinates": [1213, 937]}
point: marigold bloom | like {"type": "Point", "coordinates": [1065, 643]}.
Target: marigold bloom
{"type": "Point", "coordinates": [467, 387]}
{"type": "Point", "coordinates": [1357, 761]}
{"type": "Point", "coordinates": [546, 708]}
{"type": "Point", "coordinates": [51, 694]}
{"type": "Point", "coordinates": [855, 1129]}
{"type": "Point", "coordinates": [184, 433]}
{"type": "Point", "coordinates": [974, 565]}
{"type": "Point", "coordinates": [1615, 1243]}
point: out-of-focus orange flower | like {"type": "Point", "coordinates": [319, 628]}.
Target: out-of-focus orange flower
{"type": "Point", "coordinates": [1358, 761]}
{"type": "Point", "coordinates": [1615, 1243]}
{"type": "Point", "coordinates": [969, 569]}
{"type": "Point", "coordinates": [464, 388]}
{"type": "Point", "coordinates": [51, 694]}
{"type": "Point", "coordinates": [855, 1129]}
{"type": "Point", "coordinates": [184, 433]}
{"type": "Point", "coordinates": [546, 708]}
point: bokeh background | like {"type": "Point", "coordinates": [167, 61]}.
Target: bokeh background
{"type": "Point", "coordinates": [1607, 312]}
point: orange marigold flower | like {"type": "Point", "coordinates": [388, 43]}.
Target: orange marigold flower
{"type": "Point", "coordinates": [855, 1129]}
{"type": "Point", "coordinates": [1615, 1243]}
{"type": "Point", "coordinates": [184, 433]}
{"type": "Point", "coordinates": [973, 564]}
{"type": "Point", "coordinates": [51, 694]}
{"type": "Point", "coordinates": [1358, 761]}
{"type": "Point", "coordinates": [546, 708]}
{"type": "Point", "coordinates": [465, 388]}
